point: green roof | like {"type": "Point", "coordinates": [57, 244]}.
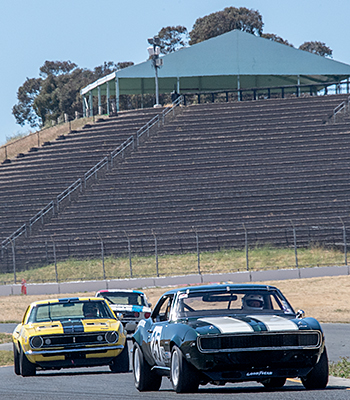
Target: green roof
{"type": "Point", "coordinates": [220, 62]}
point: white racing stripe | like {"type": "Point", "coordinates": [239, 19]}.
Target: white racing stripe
{"type": "Point", "coordinates": [228, 324]}
{"type": "Point", "coordinates": [275, 323]}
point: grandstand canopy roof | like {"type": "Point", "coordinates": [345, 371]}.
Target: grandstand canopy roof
{"type": "Point", "coordinates": [234, 60]}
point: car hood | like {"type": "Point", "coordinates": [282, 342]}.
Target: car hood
{"type": "Point", "coordinates": [71, 326]}
{"type": "Point", "coordinates": [245, 324]}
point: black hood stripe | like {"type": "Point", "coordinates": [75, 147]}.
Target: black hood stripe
{"type": "Point", "coordinates": [72, 326]}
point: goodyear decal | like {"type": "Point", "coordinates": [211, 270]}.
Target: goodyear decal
{"type": "Point", "coordinates": [228, 324]}
{"type": "Point", "coordinates": [275, 323]}
{"type": "Point", "coordinates": [72, 326]}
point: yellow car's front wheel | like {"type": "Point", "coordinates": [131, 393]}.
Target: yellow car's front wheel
{"type": "Point", "coordinates": [25, 366]}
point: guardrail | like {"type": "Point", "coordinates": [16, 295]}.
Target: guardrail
{"type": "Point", "coordinates": [107, 162]}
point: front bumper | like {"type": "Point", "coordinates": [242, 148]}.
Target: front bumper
{"type": "Point", "coordinates": [85, 350]}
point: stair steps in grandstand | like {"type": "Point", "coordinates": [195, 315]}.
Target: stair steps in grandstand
{"type": "Point", "coordinates": [214, 168]}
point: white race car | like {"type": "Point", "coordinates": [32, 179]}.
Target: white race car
{"type": "Point", "coordinates": [132, 304]}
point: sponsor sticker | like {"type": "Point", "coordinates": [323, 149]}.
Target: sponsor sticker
{"type": "Point", "coordinates": [259, 373]}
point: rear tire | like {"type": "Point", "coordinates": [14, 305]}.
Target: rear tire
{"type": "Point", "coordinates": [274, 383]}
{"type": "Point", "coordinates": [184, 377]}
{"type": "Point", "coordinates": [317, 378]}
{"type": "Point", "coordinates": [121, 362]}
{"type": "Point", "coordinates": [26, 367]}
{"type": "Point", "coordinates": [145, 379]}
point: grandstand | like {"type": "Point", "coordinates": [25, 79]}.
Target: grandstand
{"type": "Point", "coordinates": [214, 169]}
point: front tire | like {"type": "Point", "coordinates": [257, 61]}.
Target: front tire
{"type": "Point", "coordinates": [26, 367]}
{"type": "Point", "coordinates": [121, 362]}
{"type": "Point", "coordinates": [184, 377]}
{"type": "Point", "coordinates": [317, 378]}
{"type": "Point", "coordinates": [145, 379]}
{"type": "Point", "coordinates": [16, 364]}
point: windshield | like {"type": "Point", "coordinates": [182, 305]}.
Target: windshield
{"type": "Point", "coordinates": [229, 302]}
{"type": "Point", "coordinates": [125, 298]}
{"type": "Point", "coordinates": [70, 310]}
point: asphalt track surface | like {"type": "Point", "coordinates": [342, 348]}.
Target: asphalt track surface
{"type": "Point", "coordinates": [100, 383]}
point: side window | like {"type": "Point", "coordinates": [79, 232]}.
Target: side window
{"type": "Point", "coordinates": [163, 310]}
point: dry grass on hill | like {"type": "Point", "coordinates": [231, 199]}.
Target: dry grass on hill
{"type": "Point", "coordinates": [326, 299]}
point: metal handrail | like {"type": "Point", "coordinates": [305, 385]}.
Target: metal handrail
{"type": "Point", "coordinates": [93, 171]}
{"type": "Point", "coordinates": [160, 118]}
{"type": "Point", "coordinates": [344, 105]}
{"type": "Point", "coordinates": [22, 229]}
{"type": "Point", "coordinates": [40, 215]}
{"type": "Point", "coordinates": [121, 149]}
{"type": "Point", "coordinates": [72, 188]}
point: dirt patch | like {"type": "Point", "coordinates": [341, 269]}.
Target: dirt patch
{"type": "Point", "coordinates": [325, 299]}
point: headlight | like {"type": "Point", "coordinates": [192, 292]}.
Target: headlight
{"type": "Point", "coordinates": [112, 337]}
{"type": "Point", "coordinates": [36, 342]}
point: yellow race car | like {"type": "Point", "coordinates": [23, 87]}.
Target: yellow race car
{"type": "Point", "coordinates": [69, 333]}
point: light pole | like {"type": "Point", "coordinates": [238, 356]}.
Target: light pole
{"type": "Point", "coordinates": [154, 52]}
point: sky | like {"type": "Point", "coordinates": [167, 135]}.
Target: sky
{"type": "Point", "coordinates": [90, 32]}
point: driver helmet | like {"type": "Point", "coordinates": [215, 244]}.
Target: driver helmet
{"type": "Point", "coordinates": [90, 309]}
{"type": "Point", "coordinates": [253, 301]}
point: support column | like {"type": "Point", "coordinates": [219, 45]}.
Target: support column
{"type": "Point", "coordinates": [99, 100]}
{"type": "Point", "coordinates": [178, 85]}
{"type": "Point", "coordinates": [107, 95]}
{"type": "Point", "coordinates": [117, 92]}
{"type": "Point", "coordinates": [91, 111]}
{"type": "Point", "coordinates": [84, 106]}
{"type": "Point", "coordinates": [239, 88]}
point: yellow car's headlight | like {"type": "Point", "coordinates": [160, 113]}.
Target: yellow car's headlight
{"type": "Point", "coordinates": [112, 337]}
{"type": "Point", "coordinates": [36, 342]}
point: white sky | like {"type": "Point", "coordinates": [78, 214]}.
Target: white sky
{"type": "Point", "coordinates": [89, 32]}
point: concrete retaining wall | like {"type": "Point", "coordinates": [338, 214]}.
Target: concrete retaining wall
{"type": "Point", "coordinates": [141, 283]}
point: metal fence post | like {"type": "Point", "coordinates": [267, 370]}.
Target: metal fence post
{"type": "Point", "coordinates": [129, 250]}
{"type": "Point", "coordinates": [156, 251]}
{"type": "Point", "coordinates": [295, 247]}
{"type": "Point", "coordinates": [13, 260]}
{"type": "Point", "coordinates": [54, 256]}
{"type": "Point", "coordinates": [103, 258]}
{"type": "Point", "coordinates": [198, 255]}
{"type": "Point", "coordinates": [246, 247]}
{"type": "Point", "coordinates": [345, 244]}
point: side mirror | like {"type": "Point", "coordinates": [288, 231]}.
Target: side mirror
{"type": "Point", "coordinates": [149, 304]}
{"type": "Point", "coordinates": [300, 314]}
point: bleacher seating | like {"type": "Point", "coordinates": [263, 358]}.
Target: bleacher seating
{"type": "Point", "coordinates": [215, 167]}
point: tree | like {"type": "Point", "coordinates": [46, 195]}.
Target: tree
{"type": "Point", "coordinates": [125, 64]}
{"type": "Point", "coordinates": [173, 38]}
{"type": "Point", "coordinates": [275, 38]}
{"type": "Point", "coordinates": [220, 22]}
{"type": "Point", "coordinates": [23, 111]}
{"type": "Point", "coordinates": [56, 68]}
{"type": "Point", "coordinates": [318, 48]}
{"type": "Point", "coordinates": [56, 92]}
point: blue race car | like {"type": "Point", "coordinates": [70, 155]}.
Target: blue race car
{"type": "Point", "coordinates": [227, 333]}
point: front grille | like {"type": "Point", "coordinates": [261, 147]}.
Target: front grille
{"type": "Point", "coordinates": [68, 341]}
{"type": "Point", "coordinates": [262, 341]}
